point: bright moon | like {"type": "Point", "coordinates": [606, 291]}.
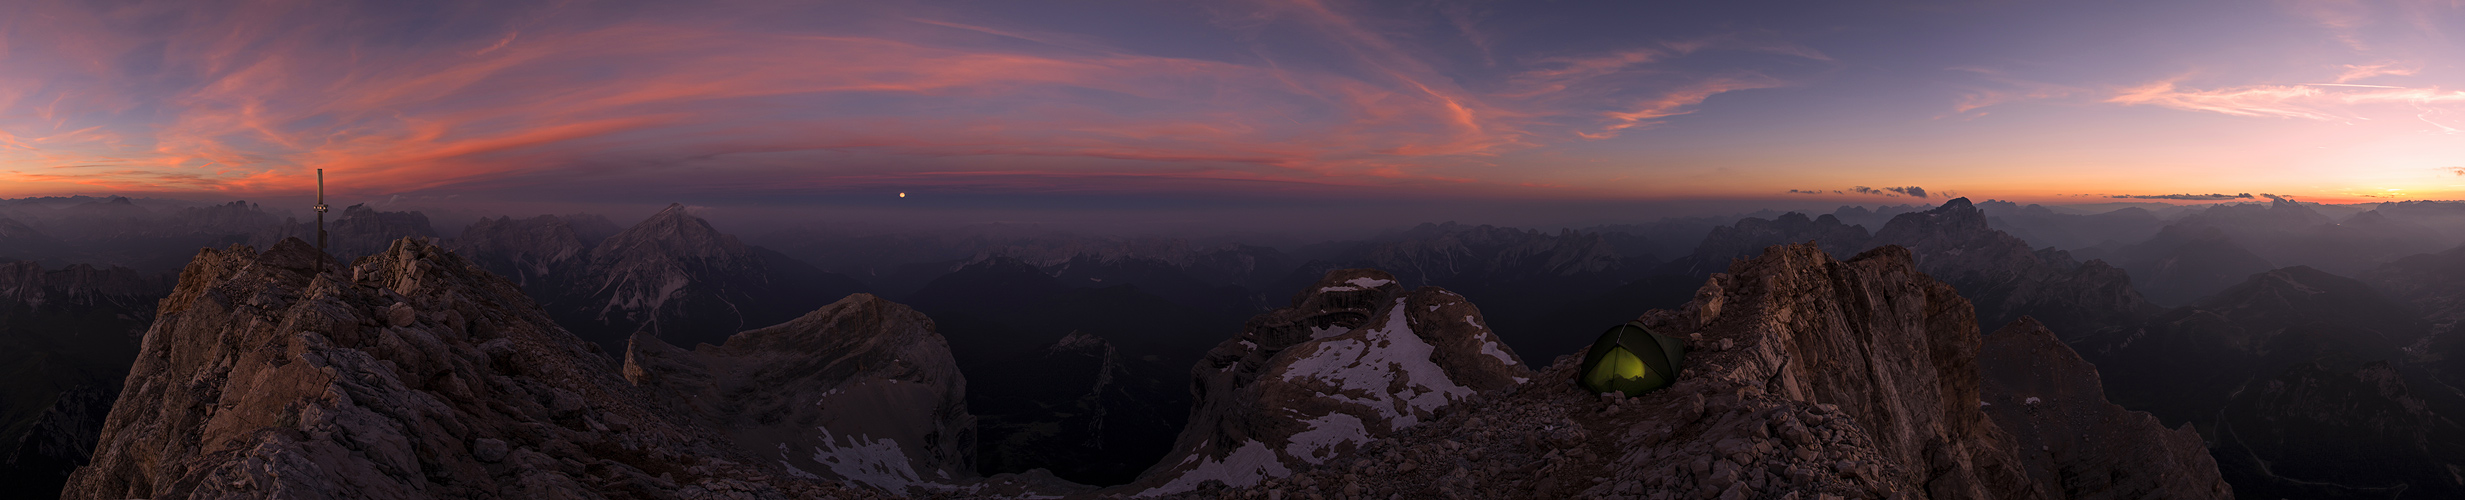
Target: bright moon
{"type": "Point", "coordinates": [902, 195]}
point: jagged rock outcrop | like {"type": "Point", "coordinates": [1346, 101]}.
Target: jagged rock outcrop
{"type": "Point", "coordinates": [1353, 359]}
{"type": "Point", "coordinates": [412, 374]}
{"type": "Point", "coordinates": [860, 390]}
{"type": "Point", "coordinates": [2073, 442]}
{"type": "Point", "coordinates": [1807, 377]}
{"type": "Point", "coordinates": [683, 281]}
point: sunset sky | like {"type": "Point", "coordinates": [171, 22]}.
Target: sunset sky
{"type": "Point", "coordinates": [1034, 103]}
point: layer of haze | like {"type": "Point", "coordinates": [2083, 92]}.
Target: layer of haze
{"type": "Point", "coordinates": [1242, 113]}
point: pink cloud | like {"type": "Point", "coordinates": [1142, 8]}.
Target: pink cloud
{"type": "Point", "coordinates": [265, 92]}
{"type": "Point", "coordinates": [2325, 102]}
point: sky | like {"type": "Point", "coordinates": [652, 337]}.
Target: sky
{"type": "Point", "coordinates": [1301, 105]}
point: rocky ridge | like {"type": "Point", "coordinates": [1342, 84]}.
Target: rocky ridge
{"type": "Point", "coordinates": [1355, 357]}
{"type": "Point", "coordinates": [411, 374]}
{"type": "Point", "coordinates": [1807, 378]}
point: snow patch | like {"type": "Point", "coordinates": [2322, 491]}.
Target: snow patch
{"type": "Point", "coordinates": [1245, 466]}
{"type": "Point", "coordinates": [875, 462]}
{"type": "Point", "coordinates": [1325, 433]}
{"type": "Point", "coordinates": [1368, 365]}
{"type": "Point", "coordinates": [791, 468]}
{"type": "Point", "coordinates": [1490, 347]}
{"type": "Point", "coordinates": [2030, 401]}
{"type": "Point", "coordinates": [1368, 282]}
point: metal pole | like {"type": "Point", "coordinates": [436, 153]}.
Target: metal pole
{"type": "Point", "coordinates": [320, 221]}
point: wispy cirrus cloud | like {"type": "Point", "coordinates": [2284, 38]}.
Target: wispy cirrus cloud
{"type": "Point", "coordinates": [2324, 102]}
{"type": "Point", "coordinates": [249, 96]}
{"type": "Point", "coordinates": [1991, 87]}
{"type": "Point", "coordinates": [2354, 72]}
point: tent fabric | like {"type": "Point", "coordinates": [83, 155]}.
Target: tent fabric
{"type": "Point", "coordinates": [1631, 359]}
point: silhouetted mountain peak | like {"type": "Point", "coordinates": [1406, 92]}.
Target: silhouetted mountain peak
{"type": "Point", "coordinates": [671, 233]}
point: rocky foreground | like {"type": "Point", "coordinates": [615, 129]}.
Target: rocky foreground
{"type": "Point", "coordinates": [1807, 378]}
{"type": "Point", "coordinates": [409, 375]}
{"type": "Point", "coordinates": [415, 374]}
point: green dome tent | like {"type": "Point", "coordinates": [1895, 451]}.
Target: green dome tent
{"type": "Point", "coordinates": [1631, 359]}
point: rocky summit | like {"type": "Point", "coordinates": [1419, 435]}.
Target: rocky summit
{"type": "Point", "coordinates": [1354, 359]}
{"type": "Point", "coordinates": [414, 373]}
{"type": "Point", "coordinates": [411, 374]}
{"type": "Point", "coordinates": [1807, 377]}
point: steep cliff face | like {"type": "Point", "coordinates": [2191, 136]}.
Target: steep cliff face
{"type": "Point", "coordinates": [1891, 348]}
{"type": "Point", "coordinates": [860, 390]}
{"type": "Point", "coordinates": [413, 374]}
{"type": "Point", "coordinates": [1807, 377]}
{"type": "Point", "coordinates": [1355, 358]}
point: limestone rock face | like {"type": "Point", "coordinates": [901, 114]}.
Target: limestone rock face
{"type": "Point", "coordinates": [412, 374]}
{"type": "Point", "coordinates": [860, 390]}
{"type": "Point", "coordinates": [1894, 350]}
{"type": "Point", "coordinates": [2071, 439]}
{"type": "Point", "coordinates": [1355, 358]}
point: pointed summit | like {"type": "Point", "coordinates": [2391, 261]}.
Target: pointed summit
{"type": "Point", "coordinates": [673, 232]}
